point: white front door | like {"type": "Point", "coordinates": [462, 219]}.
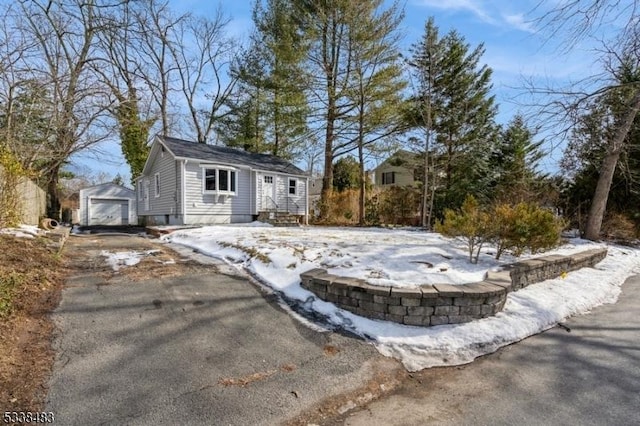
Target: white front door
{"type": "Point", "coordinates": [268, 197]}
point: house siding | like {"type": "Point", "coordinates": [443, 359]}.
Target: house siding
{"type": "Point", "coordinates": [296, 204]}
{"type": "Point", "coordinates": [211, 208]}
{"type": "Point", "coordinates": [182, 200]}
{"type": "Point", "coordinates": [403, 176]}
{"type": "Point", "coordinates": [168, 202]}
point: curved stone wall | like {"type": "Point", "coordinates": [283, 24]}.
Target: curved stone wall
{"type": "Point", "coordinates": [439, 304]}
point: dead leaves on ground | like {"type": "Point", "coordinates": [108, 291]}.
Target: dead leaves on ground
{"type": "Point", "coordinates": [255, 377]}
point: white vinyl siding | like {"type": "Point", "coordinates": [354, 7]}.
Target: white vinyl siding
{"type": "Point", "coordinates": [293, 203]}
{"type": "Point", "coordinates": [209, 206]}
{"type": "Point", "coordinates": [167, 201]}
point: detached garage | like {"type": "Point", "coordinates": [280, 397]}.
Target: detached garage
{"type": "Point", "coordinates": [107, 204]}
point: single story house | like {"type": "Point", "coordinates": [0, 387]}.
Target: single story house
{"type": "Point", "coordinates": [107, 204]}
{"type": "Point", "coordinates": [190, 183]}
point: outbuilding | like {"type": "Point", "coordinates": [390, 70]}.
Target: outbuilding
{"type": "Point", "coordinates": [107, 204]}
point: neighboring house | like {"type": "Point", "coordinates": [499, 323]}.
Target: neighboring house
{"type": "Point", "coordinates": [397, 170]}
{"type": "Point", "coordinates": [190, 183]}
{"type": "Point", "coordinates": [107, 204]}
{"type": "Point", "coordinates": [315, 189]}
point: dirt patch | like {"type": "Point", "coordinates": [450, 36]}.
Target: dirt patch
{"type": "Point", "coordinates": [255, 377]}
{"type": "Point", "coordinates": [160, 263]}
{"type": "Point", "coordinates": [330, 350]}
{"type": "Point", "coordinates": [385, 380]}
{"type": "Point", "coordinates": [31, 278]}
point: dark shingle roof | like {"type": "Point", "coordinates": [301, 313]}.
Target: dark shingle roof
{"type": "Point", "coordinates": [225, 155]}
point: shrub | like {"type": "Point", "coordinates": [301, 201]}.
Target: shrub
{"type": "Point", "coordinates": [618, 226]}
{"type": "Point", "coordinates": [523, 226]}
{"type": "Point", "coordinates": [10, 202]}
{"type": "Point", "coordinates": [470, 223]}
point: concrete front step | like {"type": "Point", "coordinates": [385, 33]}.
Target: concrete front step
{"type": "Point", "coordinates": [276, 218]}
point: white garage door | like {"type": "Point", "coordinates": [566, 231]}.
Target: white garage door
{"type": "Point", "coordinates": [109, 212]}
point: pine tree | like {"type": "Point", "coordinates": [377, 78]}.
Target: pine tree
{"type": "Point", "coordinates": [341, 42]}
{"type": "Point", "coordinates": [426, 67]}
{"type": "Point", "coordinates": [377, 83]}
{"type": "Point", "coordinates": [454, 104]}
{"type": "Point", "coordinates": [514, 163]}
{"type": "Point", "coordinates": [464, 122]}
{"type": "Point", "coordinates": [245, 126]}
{"type": "Point", "coordinates": [269, 111]}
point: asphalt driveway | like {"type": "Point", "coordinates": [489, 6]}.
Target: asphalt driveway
{"type": "Point", "coordinates": [188, 344]}
{"type": "Point", "coordinates": [586, 373]}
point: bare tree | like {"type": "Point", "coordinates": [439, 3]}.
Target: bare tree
{"type": "Point", "coordinates": [577, 20]}
{"type": "Point", "coordinates": [202, 53]}
{"type": "Point", "coordinates": [155, 64]}
{"type": "Point", "coordinates": [60, 58]}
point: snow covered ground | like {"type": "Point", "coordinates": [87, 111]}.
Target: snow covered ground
{"type": "Point", "coordinates": [22, 231]}
{"type": "Point", "coordinates": [277, 257]}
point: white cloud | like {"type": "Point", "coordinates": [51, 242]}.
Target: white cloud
{"type": "Point", "coordinates": [519, 22]}
{"type": "Point", "coordinates": [490, 12]}
{"type": "Point", "coordinates": [473, 6]}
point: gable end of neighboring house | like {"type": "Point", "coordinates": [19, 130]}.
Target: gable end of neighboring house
{"type": "Point", "coordinates": [189, 183]}
{"type": "Point", "coordinates": [397, 170]}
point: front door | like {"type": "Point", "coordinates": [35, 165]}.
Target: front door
{"type": "Point", "coordinates": [268, 197]}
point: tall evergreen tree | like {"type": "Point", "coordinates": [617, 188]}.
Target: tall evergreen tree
{"type": "Point", "coordinates": [341, 42]}
{"type": "Point", "coordinates": [377, 83]}
{"type": "Point", "coordinates": [514, 163]}
{"type": "Point", "coordinates": [284, 49]}
{"type": "Point", "coordinates": [245, 125]}
{"type": "Point", "coordinates": [426, 67]}
{"type": "Point", "coordinates": [269, 111]}
{"type": "Point", "coordinates": [453, 102]}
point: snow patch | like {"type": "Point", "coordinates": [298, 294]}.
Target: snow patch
{"type": "Point", "coordinates": [408, 258]}
{"type": "Point", "coordinates": [121, 259]}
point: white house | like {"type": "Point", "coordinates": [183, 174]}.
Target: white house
{"type": "Point", "coordinates": [190, 183]}
{"type": "Point", "coordinates": [107, 204]}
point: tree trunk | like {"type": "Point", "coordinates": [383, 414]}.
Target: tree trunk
{"type": "Point", "coordinates": [363, 186]}
{"type": "Point", "coordinates": [327, 178]}
{"type": "Point", "coordinates": [601, 194]}
{"type": "Point", "coordinates": [53, 204]}
{"type": "Point", "coordinates": [426, 210]}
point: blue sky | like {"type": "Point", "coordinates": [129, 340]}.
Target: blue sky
{"type": "Point", "coordinates": [514, 50]}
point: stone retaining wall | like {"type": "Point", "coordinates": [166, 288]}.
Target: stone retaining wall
{"type": "Point", "coordinates": [439, 304]}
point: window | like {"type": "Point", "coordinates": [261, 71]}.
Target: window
{"type": "Point", "coordinates": [140, 196]}
{"type": "Point", "coordinates": [157, 184]}
{"type": "Point", "coordinates": [292, 186]}
{"type": "Point", "coordinates": [388, 178]}
{"type": "Point", "coordinates": [268, 179]}
{"type": "Point", "coordinates": [220, 181]}
{"type": "Point", "coordinates": [210, 179]}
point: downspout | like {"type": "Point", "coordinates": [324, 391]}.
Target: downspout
{"type": "Point", "coordinates": [183, 195]}
{"type": "Point", "coordinates": [306, 204]}
{"type": "Point", "coordinates": [253, 181]}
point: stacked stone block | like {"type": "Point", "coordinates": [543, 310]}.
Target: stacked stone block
{"type": "Point", "coordinates": [438, 304]}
